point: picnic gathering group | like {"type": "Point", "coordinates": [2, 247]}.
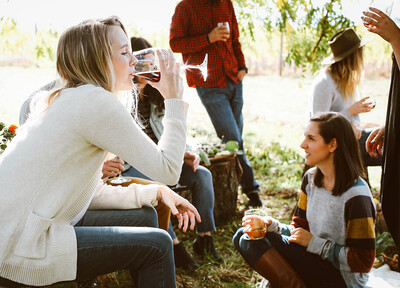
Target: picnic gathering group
{"type": "Point", "coordinates": [61, 220]}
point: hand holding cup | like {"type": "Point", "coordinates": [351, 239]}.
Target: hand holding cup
{"type": "Point", "coordinates": [255, 223]}
{"type": "Point", "coordinates": [219, 33]}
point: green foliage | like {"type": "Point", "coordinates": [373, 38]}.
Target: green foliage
{"type": "Point", "coordinates": [280, 167]}
{"type": "Point", "coordinates": [39, 46]}
{"type": "Point", "coordinates": [383, 240]}
{"type": "Point", "coordinates": [6, 135]}
{"type": "Point", "coordinates": [307, 27]}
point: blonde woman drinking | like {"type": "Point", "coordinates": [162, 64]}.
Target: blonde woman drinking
{"type": "Point", "coordinates": [51, 173]}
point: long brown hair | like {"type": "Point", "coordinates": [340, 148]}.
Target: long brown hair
{"type": "Point", "coordinates": [347, 157]}
{"type": "Point", "coordinates": [347, 73]}
{"type": "Point", "coordinates": [84, 55]}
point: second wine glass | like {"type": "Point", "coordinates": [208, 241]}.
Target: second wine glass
{"type": "Point", "coordinates": [148, 64]}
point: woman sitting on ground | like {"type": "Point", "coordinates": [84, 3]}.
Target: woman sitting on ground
{"type": "Point", "coordinates": [50, 174]}
{"type": "Point", "coordinates": [331, 239]}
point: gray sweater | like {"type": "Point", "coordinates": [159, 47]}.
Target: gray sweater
{"type": "Point", "coordinates": [325, 97]}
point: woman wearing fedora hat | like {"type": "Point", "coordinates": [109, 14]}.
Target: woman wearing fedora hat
{"type": "Point", "coordinates": [336, 88]}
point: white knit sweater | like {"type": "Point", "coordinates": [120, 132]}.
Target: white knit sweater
{"type": "Point", "coordinates": [51, 169]}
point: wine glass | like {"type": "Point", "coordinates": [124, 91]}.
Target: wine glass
{"type": "Point", "coordinates": [148, 65]}
{"type": "Point", "coordinates": [119, 179]}
{"type": "Point", "coordinates": [385, 6]}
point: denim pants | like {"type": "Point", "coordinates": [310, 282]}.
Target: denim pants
{"type": "Point", "coordinates": [224, 106]}
{"type": "Point", "coordinates": [315, 271]}
{"type": "Point", "coordinates": [108, 241]}
{"type": "Point", "coordinates": [111, 240]}
{"type": "Point", "coordinates": [366, 158]}
{"type": "Point", "coordinates": [201, 185]}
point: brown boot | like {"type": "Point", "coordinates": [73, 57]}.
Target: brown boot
{"type": "Point", "coordinates": [274, 267]}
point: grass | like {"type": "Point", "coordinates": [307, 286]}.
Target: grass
{"type": "Point", "coordinates": [275, 115]}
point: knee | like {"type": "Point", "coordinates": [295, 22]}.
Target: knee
{"type": "Point", "coordinates": [203, 176]}
{"type": "Point", "coordinates": [149, 217]}
{"type": "Point", "coordinates": [236, 238]}
{"type": "Point", "coordinates": [251, 250]}
{"type": "Point", "coordinates": [163, 241]}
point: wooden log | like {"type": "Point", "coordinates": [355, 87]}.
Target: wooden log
{"type": "Point", "coordinates": [226, 172]}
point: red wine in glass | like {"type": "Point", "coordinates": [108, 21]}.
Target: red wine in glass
{"type": "Point", "coordinates": [151, 76]}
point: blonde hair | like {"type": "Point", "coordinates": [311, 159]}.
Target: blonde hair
{"type": "Point", "coordinates": [347, 73]}
{"type": "Point", "coordinates": [84, 55]}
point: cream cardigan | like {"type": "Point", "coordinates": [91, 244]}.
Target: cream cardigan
{"type": "Point", "coordinates": [51, 169]}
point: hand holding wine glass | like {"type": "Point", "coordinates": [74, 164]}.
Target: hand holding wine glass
{"type": "Point", "coordinates": [151, 62]}
{"type": "Point", "coordinates": [160, 68]}
{"type": "Point", "coordinates": [379, 23]}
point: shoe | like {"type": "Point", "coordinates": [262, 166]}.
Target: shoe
{"type": "Point", "coordinates": [254, 201]}
{"type": "Point", "coordinates": [183, 259]}
{"type": "Point", "coordinates": [203, 245]}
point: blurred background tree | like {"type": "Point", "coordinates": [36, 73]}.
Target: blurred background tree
{"type": "Point", "coordinates": [299, 29]}
{"type": "Point", "coordinates": [278, 36]}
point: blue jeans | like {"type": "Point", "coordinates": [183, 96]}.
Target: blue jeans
{"type": "Point", "coordinates": [315, 271]}
{"type": "Point", "coordinates": [224, 106]}
{"type": "Point", "coordinates": [108, 241]}
{"type": "Point", "coordinates": [200, 182]}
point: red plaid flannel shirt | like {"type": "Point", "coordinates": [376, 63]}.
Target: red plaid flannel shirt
{"type": "Point", "coordinates": [191, 22]}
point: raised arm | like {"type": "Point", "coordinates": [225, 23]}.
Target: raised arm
{"type": "Point", "coordinates": [381, 24]}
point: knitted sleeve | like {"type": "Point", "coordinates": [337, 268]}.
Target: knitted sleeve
{"type": "Point", "coordinates": [104, 122]}
{"type": "Point", "coordinates": [299, 217]}
{"type": "Point", "coordinates": [358, 254]}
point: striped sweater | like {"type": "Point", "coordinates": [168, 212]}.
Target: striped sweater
{"type": "Point", "coordinates": [342, 227]}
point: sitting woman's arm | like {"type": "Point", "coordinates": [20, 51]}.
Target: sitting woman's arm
{"type": "Point", "coordinates": [105, 123]}
{"type": "Point", "coordinates": [358, 254]}
{"type": "Point", "coordinates": [137, 195]}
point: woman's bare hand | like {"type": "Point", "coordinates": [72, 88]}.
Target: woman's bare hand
{"type": "Point", "coordinates": [180, 207]}
{"type": "Point", "coordinates": [374, 143]}
{"type": "Point", "coordinates": [171, 82]}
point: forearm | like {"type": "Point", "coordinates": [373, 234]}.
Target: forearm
{"type": "Point", "coordinates": [187, 45]}
{"type": "Point", "coordinates": [117, 197]}
{"type": "Point", "coordinates": [342, 257]}
{"type": "Point", "coordinates": [120, 135]}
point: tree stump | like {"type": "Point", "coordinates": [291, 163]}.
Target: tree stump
{"type": "Point", "coordinates": [226, 172]}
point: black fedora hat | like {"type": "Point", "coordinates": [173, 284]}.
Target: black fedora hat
{"type": "Point", "coordinates": [343, 44]}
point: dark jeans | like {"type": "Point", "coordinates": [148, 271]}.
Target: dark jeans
{"type": "Point", "coordinates": [367, 159]}
{"type": "Point", "coordinates": [315, 271]}
{"type": "Point", "coordinates": [107, 242]}
{"type": "Point", "coordinates": [224, 106]}
{"type": "Point", "coordinates": [201, 185]}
